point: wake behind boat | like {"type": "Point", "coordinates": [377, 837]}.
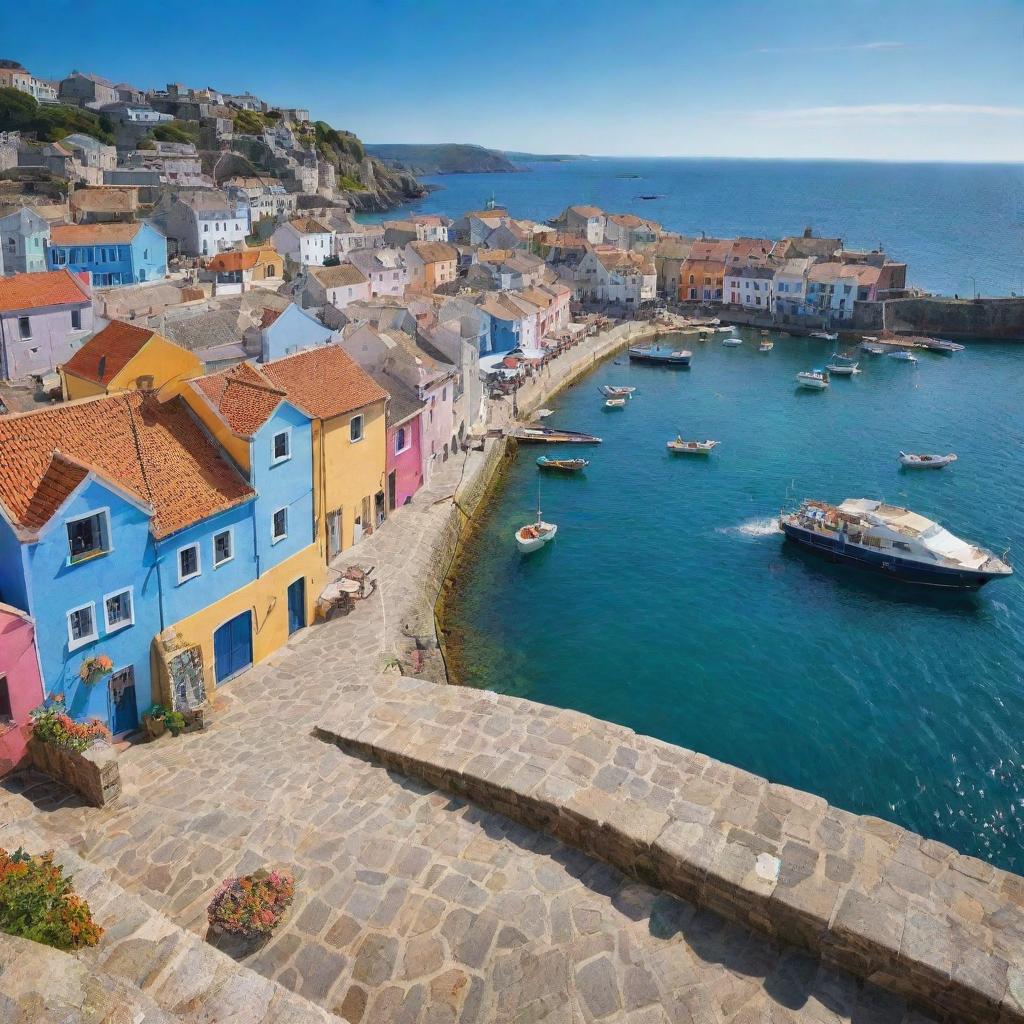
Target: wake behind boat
{"type": "Point", "coordinates": [552, 435]}
{"type": "Point", "coordinates": [912, 461]}
{"type": "Point", "coordinates": [660, 356]}
{"type": "Point", "coordinates": [893, 541]}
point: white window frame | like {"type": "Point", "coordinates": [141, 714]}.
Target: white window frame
{"type": "Point", "coordinates": [277, 538]}
{"type": "Point", "coordinates": [357, 418]}
{"type": "Point", "coordinates": [74, 644]}
{"type": "Point", "coordinates": [275, 459]}
{"type": "Point", "coordinates": [230, 531]}
{"type": "Point", "coordinates": [110, 627]}
{"type": "Point", "coordinates": [105, 512]}
{"type": "Point", "coordinates": [199, 562]}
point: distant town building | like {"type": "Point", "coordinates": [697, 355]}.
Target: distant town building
{"type": "Point", "coordinates": [23, 239]}
{"type": "Point", "coordinates": [113, 254]}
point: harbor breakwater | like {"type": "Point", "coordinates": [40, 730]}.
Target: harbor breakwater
{"type": "Point", "coordinates": [911, 915]}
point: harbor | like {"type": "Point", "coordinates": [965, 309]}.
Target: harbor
{"type": "Point", "coordinates": [747, 639]}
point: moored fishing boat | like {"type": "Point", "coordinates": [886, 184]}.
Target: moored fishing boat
{"type": "Point", "coordinates": [535, 535]}
{"type": "Point", "coordinates": [563, 465]}
{"type": "Point", "coordinates": [616, 391]}
{"type": "Point", "coordinates": [903, 355]}
{"type": "Point", "coordinates": [914, 461]}
{"type": "Point", "coordinates": [552, 435]}
{"type": "Point", "coordinates": [842, 365]}
{"type": "Point", "coordinates": [892, 540]}
{"type": "Point", "coordinates": [814, 380]}
{"type": "Point", "coordinates": [662, 357]}
{"type": "Point", "coordinates": [615, 403]}
{"type": "Point", "coordinates": [825, 335]}
{"type": "Point", "coordinates": [872, 348]}
{"type": "Point", "coordinates": [731, 341]}
{"type": "Point", "coordinates": [681, 447]}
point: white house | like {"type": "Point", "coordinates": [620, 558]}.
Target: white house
{"type": "Point", "coordinates": [337, 286]}
{"type": "Point", "coordinates": [587, 222]}
{"type": "Point", "coordinates": [750, 287]}
{"type": "Point", "coordinates": [384, 269]}
{"type": "Point", "coordinates": [790, 285]}
{"type": "Point", "coordinates": [204, 222]}
{"type": "Point", "coordinates": [628, 278]}
{"type": "Point", "coordinates": [304, 240]}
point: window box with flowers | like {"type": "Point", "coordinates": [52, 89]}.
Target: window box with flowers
{"type": "Point", "coordinates": [251, 906]}
{"type": "Point", "coordinates": [95, 668]}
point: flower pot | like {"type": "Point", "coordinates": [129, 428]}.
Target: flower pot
{"type": "Point", "coordinates": [154, 727]}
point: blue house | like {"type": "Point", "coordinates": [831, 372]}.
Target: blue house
{"type": "Point", "coordinates": [293, 331]}
{"type": "Point", "coordinates": [112, 253]}
{"type": "Point", "coordinates": [96, 500]}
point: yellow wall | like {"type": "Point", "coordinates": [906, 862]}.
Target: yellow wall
{"type": "Point", "coordinates": [162, 360]}
{"type": "Point", "coordinates": [267, 599]}
{"type": "Point", "coordinates": [345, 471]}
{"type": "Point", "coordinates": [77, 387]}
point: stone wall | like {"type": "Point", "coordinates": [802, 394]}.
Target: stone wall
{"type": "Point", "coordinates": [93, 773]}
{"type": "Point", "coordinates": [992, 319]}
{"type": "Point", "coordinates": [912, 915]}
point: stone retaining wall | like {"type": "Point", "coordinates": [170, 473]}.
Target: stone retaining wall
{"type": "Point", "coordinates": [93, 773]}
{"type": "Point", "coordinates": [909, 914]}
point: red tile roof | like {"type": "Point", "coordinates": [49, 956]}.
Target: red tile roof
{"type": "Point", "coordinates": [235, 260]}
{"type": "Point", "coordinates": [154, 451]}
{"type": "Point", "coordinates": [243, 396]}
{"type": "Point", "coordinates": [35, 291]}
{"type": "Point", "coordinates": [324, 382]}
{"type": "Point", "coordinates": [93, 234]}
{"type": "Point", "coordinates": [107, 353]}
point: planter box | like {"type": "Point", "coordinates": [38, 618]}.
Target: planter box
{"type": "Point", "coordinates": [93, 773]}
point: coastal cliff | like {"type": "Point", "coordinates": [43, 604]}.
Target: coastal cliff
{"type": "Point", "coordinates": [444, 158]}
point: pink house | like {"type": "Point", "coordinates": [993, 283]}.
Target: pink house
{"type": "Point", "coordinates": [404, 463]}
{"type": "Point", "coordinates": [21, 686]}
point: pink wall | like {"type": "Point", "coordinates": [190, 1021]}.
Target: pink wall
{"type": "Point", "coordinates": [438, 425]}
{"type": "Point", "coordinates": [18, 662]}
{"type": "Point", "coordinates": [408, 464]}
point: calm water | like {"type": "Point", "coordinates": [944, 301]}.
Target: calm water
{"type": "Point", "coordinates": [669, 603]}
{"type": "Point", "coordinates": [948, 221]}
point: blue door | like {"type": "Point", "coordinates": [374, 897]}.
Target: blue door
{"type": "Point", "coordinates": [232, 646]}
{"type": "Point", "coordinates": [296, 605]}
{"type": "Point", "coordinates": [124, 712]}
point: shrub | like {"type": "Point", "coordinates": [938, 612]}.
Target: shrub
{"type": "Point", "coordinates": [174, 720]}
{"type": "Point", "coordinates": [51, 724]}
{"type": "Point", "coordinates": [251, 905]}
{"type": "Point", "coordinates": [37, 902]}
{"type": "Point", "coordinates": [177, 131]}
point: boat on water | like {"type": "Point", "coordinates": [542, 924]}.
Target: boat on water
{"type": "Point", "coordinates": [655, 196]}
{"type": "Point", "coordinates": [825, 335]}
{"type": "Point", "coordinates": [914, 461]}
{"type": "Point", "coordinates": [903, 355]}
{"type": "Point", "coordinates": [615, 391]}
{"type": "Point", "coordinates": [552, 435]}
{"type": "Point", "coordinates": [872, 348]}
{"type": "Point", "coordinates": [732, 341]}
{"type": "Point", "coordinates": [815, 380]}
{"type": "Point", "coordinates": [535, 535]}
{"type": "Point", "coordinates": [842, 365]}
{"type": "Point", "coordinates": [563, 465]}
{"type": "Point", "coordinates": [543, 414]}
{"type": "Point", "coordinates": [892, 540]}
{"type": "Point", "coordinates": [663, 357]}
{"type": "Point", "coordinates": [943, 346]}
{"type": "Point", "coordinates": [615, 403]}
{"type": "Point", "coordinates": [766, 345]}
{"type": "Point", "coordinates": [681, 447]}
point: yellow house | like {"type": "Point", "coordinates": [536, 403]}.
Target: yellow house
{"type": "Point", "coordinates": [123, 357]}
{"type": "Point", "coordinates": [349, 440]}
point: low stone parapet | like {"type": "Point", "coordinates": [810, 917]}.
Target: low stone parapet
{"type": "Point", "coordinates": [909, 914]}
{"type": "Point", "coordinates": [93, 772]}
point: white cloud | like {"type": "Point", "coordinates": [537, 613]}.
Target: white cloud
{"type": "Point", "coordinates": [847, 48]}
{"type": "Point", "coordinates": [889, 113]}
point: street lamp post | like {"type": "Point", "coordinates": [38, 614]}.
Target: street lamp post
{"type": "Point", "coordinates": [974, 286]}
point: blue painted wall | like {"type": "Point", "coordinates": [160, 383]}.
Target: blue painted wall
{"type": "Point", "coordinates": [505, 335]}
{"type": "Point", "coordinates": [13, 584]}
{"type": "Point", "coordinates": [56, 586]}
{"type": "Point", "coordinates": [287, 484]}
{"type": "Point", "coordinates": [293, 331]}
{"type": "Point", "coordinates": [145, 259]}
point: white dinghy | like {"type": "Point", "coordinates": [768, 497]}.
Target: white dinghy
{"type": "Point", "coordinates": [914, 461]}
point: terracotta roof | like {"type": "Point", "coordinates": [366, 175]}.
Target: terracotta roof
{"type": "Point", "coordinates": [105, 200]}
{"type": "Point", "coordinates": [45, 288]}
{"type": "Point", "coordinates": [93, 234]}
{"type": "Point", "coordinates": [309, 226]}
{"type": "Point", "coordinates": [107, 353]}
{"type": "Point", "coordinates": [434, 252]}
{"type": "Point", "coordinates": [243, 396]}
{"type": "Point", "coordinates": [324, 381]}
{"type": "Point", "coordinates": [236, 260]}
{"type": "Point", "coordinates": [587, 211]}
{"type": "Point", "coordinates": [335, 277]}
{"type": "Point", "coordinates": [154, 451]}
{"type": "Point", "coordinates": [268, 316]}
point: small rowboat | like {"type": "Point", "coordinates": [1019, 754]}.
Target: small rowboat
{"type": "Point", "coordinates": [913, 461]}
{"type": "Point", "coordinates": [680, 357]}
{"type": "Point", "coordinates": [732, 341]}
{"type": "Point", "coordinates": [535, 535]}
{"type": "Point", "coordinates": [766, 345]}
{"type": "Point", "coordinates": [615, 391]}
{"type": "Point", "coordinates": [816, 380]}
{"type": "Point", "coordinates": [563, 465]}
{"type": "Point", "coordinates": [825, 335]}
{"type": "Point", "coordinates": [681, 447]}
{"type": "Point", "coordinates": [552, 435]}
{"type": "Point", "coordinates": [615, 403]}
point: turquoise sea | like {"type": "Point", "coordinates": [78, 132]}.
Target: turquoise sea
{"type": "Point", "coordinates": [669, 603]}
{"type": "Point", "coordinates": [950, 222]}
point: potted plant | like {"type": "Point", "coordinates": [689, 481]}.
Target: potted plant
{"type": "Point", "coordinates": [94, 668]}
{"type": "Point", "coordinates": [251, 906]}
{"type": "Point", "coordinates": [153, 723]}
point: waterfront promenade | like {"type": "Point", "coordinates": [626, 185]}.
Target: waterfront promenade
{"type": "Point", "coordinates": [416, 903]}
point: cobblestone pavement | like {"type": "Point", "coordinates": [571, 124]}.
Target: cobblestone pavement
{"type": "Point", "coordinates": [413, 906]}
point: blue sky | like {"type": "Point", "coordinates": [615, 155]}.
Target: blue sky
{"type": "Point", "coordinates": [872, 79]}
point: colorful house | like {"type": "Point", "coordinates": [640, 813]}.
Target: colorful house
{"type": "Point", "coordinates": [431, 265]}
{"type": "Point", "coordinates": [702, 274]}
{"type": "Point", "coordinates": [123, 357]}
{"type": "Point", "coordinates": [21, 686]}
{"type": "Point", "coordinates": [98, 500]}
{"type": "Point", "coordinates": [44, 318]}
{"type": "Point", "coordinates": [236, 272]}
{"type": "Point", "coordinates": [293, 330]}
{"type": "Point", "coordinates": [404, 462]}
{"type": "Point", "coordinates": [112, 253]}
{"type": "Point", "coordinates": [23, 238]}
{"type": "Point", "coordinates": [336, 286]}
{"type": "Point", "coordinates": [347, 408]}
